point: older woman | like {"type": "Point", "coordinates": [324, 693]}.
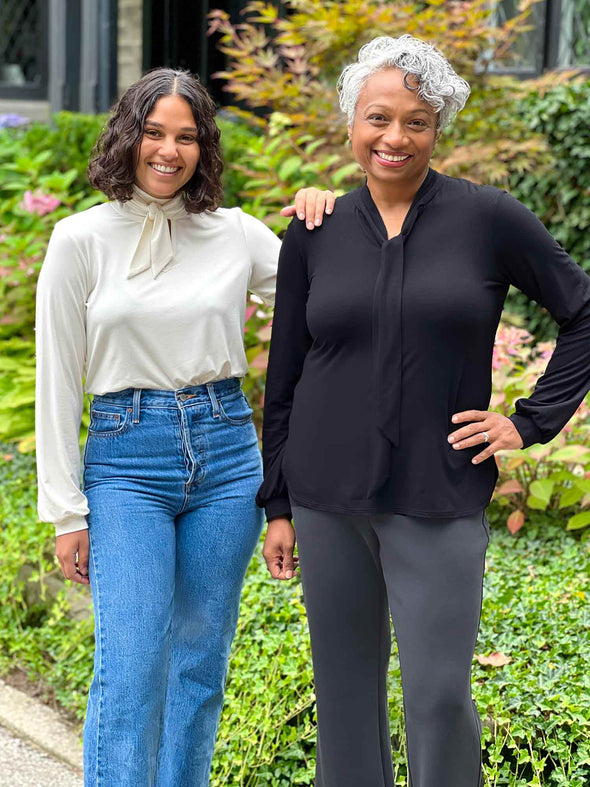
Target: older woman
{"type": "Point", "coordinates": [377, 435]}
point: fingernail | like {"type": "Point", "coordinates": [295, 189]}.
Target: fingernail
{"type": "Point", "coordinates": [451, 439]}
{"type": "Point", "coordinates": [310, 225]}
{"type": "Point", "coordinates": [301, 215]}
{"type": "Point", "coordinates": [474, 461]}
{"type": "Point", "coordinates": [318, 222]}
{"type": "Point", "coordinates": [328, 210]}
{"type": "Point", "coordinates": [454, 419]}
{"type": "Point", "coordinates": [289, 574]}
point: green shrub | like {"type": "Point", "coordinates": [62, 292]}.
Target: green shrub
{"type": "Point", "coordinates": [236, 138]}
{"type": "Point", "coordinates": [62, 146]}
{"type": "Point", "coordinates": [535, 707]}
{"type": "Point", "coordinates": [560, 192]}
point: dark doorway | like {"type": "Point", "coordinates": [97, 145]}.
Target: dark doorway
{"type": "Point", "coordinates": [175, 34]}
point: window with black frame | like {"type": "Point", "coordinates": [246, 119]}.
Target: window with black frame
{"type": "Point", "coordinates": [559, 36]}
{"type": "Point", "coordinates": [23, 48]}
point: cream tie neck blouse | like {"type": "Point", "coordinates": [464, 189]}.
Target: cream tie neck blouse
{"type": "Point", "coordinates": [126, 301]}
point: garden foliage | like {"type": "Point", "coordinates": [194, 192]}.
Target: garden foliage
{"type": "Point", "coordinates": [558, 192]}
{"type": "Point", "coordinates": [552, 476]}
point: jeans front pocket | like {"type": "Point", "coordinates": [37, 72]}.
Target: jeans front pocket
{"type": "Point", "coordinates": [235, 409]}
{"type": "Point", "coordinates": [108, 422]}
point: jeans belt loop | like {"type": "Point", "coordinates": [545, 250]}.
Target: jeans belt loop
{"type": "Point", "coordinates": [214, 399]}
{"type": "Point", "coordinates": [136, 399]}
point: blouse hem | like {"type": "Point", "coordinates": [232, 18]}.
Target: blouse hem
{"type": "Point", "coordinates": [368, 509]}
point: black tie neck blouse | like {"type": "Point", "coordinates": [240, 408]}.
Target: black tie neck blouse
{"type": "Point", "coordinates": [376, 343]}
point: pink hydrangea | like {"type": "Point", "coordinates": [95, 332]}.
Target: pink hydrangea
{"type": "Point", "coordinates": [39, 203]}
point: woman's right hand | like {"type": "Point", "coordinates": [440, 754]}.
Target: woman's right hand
{"type": "Point", "coordinates": [69, 547]}
{"type": "Point", "coordinates": [279, 544]}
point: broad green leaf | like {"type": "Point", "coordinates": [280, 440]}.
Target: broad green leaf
{"type": "Point", "coordinates": [570, 497]}
{"type": "Point", "coordinates": [289, 167]}
{"type": "Point", "coordinates": [340, 174]}
{"type": "Point", "coordinates": [571, 453]}
{"type": "Point", "coordinates": [536, 503]}
{"type": "Point", "coordinates": [542, 489]}
{"type": "Point", "coordinates": [579, 521]}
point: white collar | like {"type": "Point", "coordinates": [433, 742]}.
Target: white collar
{"type": "Point", "coordinates": [154, 247]}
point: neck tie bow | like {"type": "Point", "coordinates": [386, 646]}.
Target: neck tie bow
{"type": "Point", "coordinates": [154, 246]}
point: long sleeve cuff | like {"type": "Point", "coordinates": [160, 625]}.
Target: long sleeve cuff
{"type": "Point", "coordinates": [526, 428]}
{"type": "Point", "coordinates": [277, 507]}
{"type": "Point", "coordinates": [71, 525]}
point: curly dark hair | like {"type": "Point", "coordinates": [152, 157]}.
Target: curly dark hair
{"type": "Point", "coordinates": [113, 160]}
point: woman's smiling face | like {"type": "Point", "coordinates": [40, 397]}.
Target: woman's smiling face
{"type": "Point", "coordinates": [169, 150]}
{"type": "Point", "coordinates": [394, 131]}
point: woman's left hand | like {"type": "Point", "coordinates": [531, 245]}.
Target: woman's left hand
{"type": "Point", "coordinates": [492, 429]}
{"type": "Point", "coordinates": [311, 204]}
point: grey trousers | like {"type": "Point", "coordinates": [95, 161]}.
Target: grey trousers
{"type": "Point", "coordinates": [428, 573]}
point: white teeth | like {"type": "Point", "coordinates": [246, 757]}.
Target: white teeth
{"type": "Point", "coordinates": [162, 168]}
{"type": "Point", "coordinates": [387, 157]}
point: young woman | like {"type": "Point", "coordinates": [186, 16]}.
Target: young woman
{"type": "Point", "coordinates": [145, 296]}
{"type": "Point", "coordinates": [377, 434]}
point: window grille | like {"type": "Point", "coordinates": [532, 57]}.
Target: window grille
{"type": "Point", "coordinates": [22, 45]}
{"type": "Point", "coordinates": [527, 52]}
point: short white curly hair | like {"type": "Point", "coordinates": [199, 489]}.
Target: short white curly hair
{"type": "Point", "coordinates": [438, 83]}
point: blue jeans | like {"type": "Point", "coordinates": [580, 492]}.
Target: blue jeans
{"type": "Point", "coordinates": [170, 478]}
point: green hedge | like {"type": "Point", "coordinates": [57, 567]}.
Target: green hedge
{"type": "Point", "coordinates": [560, 195]}
{"type": "Point", "coordinates": [535, 709]}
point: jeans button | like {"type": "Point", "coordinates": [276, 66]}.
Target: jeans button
{"type": "Point", "coordinates": [183, 397]}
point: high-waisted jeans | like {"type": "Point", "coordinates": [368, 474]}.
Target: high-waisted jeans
{"type": "Point", "coordinates": [428, 573]}
{"type": "Point", "coordinates": [170, 478]}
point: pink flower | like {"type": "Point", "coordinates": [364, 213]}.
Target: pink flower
{"type": "Point", "coordinates": [39, 203]}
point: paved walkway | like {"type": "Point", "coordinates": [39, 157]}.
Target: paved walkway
{"type": "Point", "coordinates": [37, 748]}
{"type": "Point", "coordinates": [22, 764]}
